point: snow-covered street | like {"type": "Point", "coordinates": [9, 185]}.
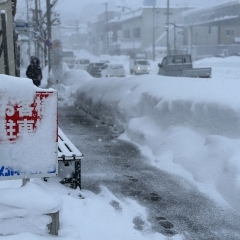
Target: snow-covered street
{"type": "Point", "coordinates": [120, 120]}
{"type": "Point", "coordinates": [173, 205]}
{"type": "Point", "coordinates": [187, 128]}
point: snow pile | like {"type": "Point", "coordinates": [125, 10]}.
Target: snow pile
{"type": "Point", "coordinates": [24, 209]}
{"type": "Point", "coordinates": [227, 68]}
{"type": "Point", "coordinates": [188, 127]}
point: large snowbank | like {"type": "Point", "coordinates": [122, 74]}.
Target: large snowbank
{"type": "Point", "coordinates": [188, 127]}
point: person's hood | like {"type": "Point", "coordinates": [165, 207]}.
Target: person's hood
{"type": "Point", "coordinates": [34, 61]}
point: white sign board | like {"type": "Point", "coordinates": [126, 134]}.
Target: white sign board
{"type": "Point", "coordinates": [28, 130]}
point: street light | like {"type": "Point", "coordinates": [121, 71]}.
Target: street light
{"type": "Point", "coordinates": [175, 26]}
{"type": "Point", "coordinates": [133, 18]}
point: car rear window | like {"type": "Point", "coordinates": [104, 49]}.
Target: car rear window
{"type": "Point", "coordinates": [116, 66]}
{"type": "Point", "coordinates": [180, 59]}
{"type": "Point", "coordinates": [143, 62]}
{"type": "Point", "coordinates": [84, 61]}
{"type": "Point", "coordinates": [99, 64]}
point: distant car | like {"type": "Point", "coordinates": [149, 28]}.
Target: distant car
{"type": "Point", "coordinates": [69, 58]}
{"type": "Point", "coordinates": [113, 70]}
{"type": "Point", "coordinates": [82, 63]}
{"type": "Point", "coordinates": [94, 69]}
{"type": "Point", "coordinates": [104, 61]}
{"type": "Point", "coordinates": [89, 67]}
{"type": "Point", "coordinates": [139, 66]}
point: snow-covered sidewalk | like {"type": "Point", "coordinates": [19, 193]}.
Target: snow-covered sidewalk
{"type": "Point", "coordinates": [90, 216]}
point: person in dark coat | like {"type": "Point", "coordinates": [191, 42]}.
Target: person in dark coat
{"type": "Point", "coordinates": [34, 71]}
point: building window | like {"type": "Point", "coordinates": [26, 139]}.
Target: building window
{"type": "Point", "coordinates": [127, 33]}
{"type": "Point", "coordinates": [230, 32]}
{"type": "Point", "coordinates": [137, 32]}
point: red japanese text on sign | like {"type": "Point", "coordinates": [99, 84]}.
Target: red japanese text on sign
{"type": "Point", "coordinates": [23, 117]}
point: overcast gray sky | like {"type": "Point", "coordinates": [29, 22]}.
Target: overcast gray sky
{"type": "Point", "coordinates": [69, 8]}
{"type": "Point", "coordinates": [66, 7]}
{"type": "Point", "coordinates": [70, 4]}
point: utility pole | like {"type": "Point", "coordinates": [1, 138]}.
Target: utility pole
{"type": "Point", "coordinates": [36, 28]}
{"type": "Point", "coordinates": [167, 27]}
{"type": "Point", "coordinates": [78, 35]}
{"type": "Point", "coordinates": [153, 32]}
{"type": "Point", "coordinates": [29, 43]}
{"type": "Point", "coordinates": [175, 40]}
{"type": "Point", "coordinates": [41, 45]}
{"type": "Point", "coordinates": [49, 32]}
{"type": "Point", "coordinates": [107, 44]}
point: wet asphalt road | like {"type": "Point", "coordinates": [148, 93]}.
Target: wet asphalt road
{"type": "Point", "coordinates": [174, 206]}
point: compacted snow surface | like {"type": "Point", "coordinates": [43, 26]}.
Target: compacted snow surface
{"type": "Point", "coordinates": [188, 127]}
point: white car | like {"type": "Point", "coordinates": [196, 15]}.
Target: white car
{"type": "Point", "coordinates": [82, 64]}
{"type": "Point", "coordinates": [139, 66]}
{"type": "Point", "coordinates": [113, 70]}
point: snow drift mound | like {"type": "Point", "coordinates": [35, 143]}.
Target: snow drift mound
{"type": "Point", "coordinates": [191, 126]}
{"type": "Point", "coordinates": [210, 106]}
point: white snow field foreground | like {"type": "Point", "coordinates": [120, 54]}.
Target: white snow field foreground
{"type": "Point", "coordinates": [189, 127]}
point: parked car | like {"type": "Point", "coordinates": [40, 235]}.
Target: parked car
{"type": "Point", "coordinates": [113, 70]}
{"type": "Point", "coordinates": [82, 63]}
{"type": "Point", "coordinates": [94, 69]}
{"type": "Point", "coordinates": [89, 67]}
{"type": "Point", "coordinates": [181, 66]}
